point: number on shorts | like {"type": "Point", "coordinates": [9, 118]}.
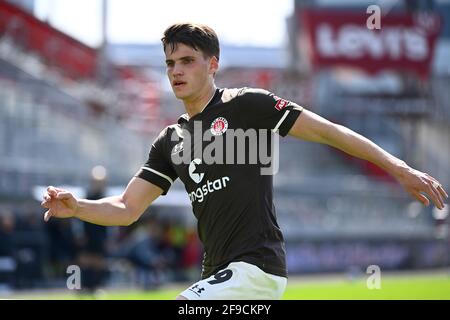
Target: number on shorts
{"type": "Point", "coordinates": [221, 276]}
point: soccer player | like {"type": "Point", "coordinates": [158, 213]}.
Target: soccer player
{"type": "Point", "coordinates": [244, 247]}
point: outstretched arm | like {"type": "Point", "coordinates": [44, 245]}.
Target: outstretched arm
{"type": "Point", "coordinates": [120, 210]}
{"type": "Point", "coordinates": [312, 127]}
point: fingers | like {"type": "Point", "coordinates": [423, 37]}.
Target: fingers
{"type": "Point", "coordinates": [51, 195]}
{"type": "Point", "coordinates": [47, 216]}
{"type": "Point", "coordinates": [45, 204]}
{"type": "Point", "coordinates": [64, 195]}
{"type": "Point", "coordinates": [436, 192]}
{"type": "Point", "coordinates": [47, 200]}
{"type": "Point", "coordinates": [435, 196]}
{"type": "Point", "coordinates": [439, 190]}
{"type": "Point", "coordinates": [55, 193]}
{"type": "Point", "coordinates": [442, 191]}
{"type": "Point", "coordinates": [52, 191]}
{"type": "Point", "coordinates": [438, 186]}
{"type": "Point", "coordinates": [421, 198]}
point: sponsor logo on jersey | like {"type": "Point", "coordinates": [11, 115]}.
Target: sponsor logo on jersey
{"type": "Point", "coordinates": [219, 126]}
{"type": "Point", "coordinates": [197, 177]}
{"type": "Point", "coordinates": [201, 192]}
{"type": "Point", "coordinates": [281, 103]}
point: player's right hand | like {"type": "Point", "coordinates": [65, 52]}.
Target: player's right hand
{"type": "Point", "coordinates": [60, 203]}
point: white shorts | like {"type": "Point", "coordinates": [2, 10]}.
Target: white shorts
{"type": "Point", "coordinates": [238, 281]}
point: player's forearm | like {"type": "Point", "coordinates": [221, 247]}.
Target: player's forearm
{"type": "Point", "coordinates": [110, 211]}
{"type": "Point", "coordinates": [358, 146]}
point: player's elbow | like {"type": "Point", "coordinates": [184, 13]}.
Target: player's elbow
{"type": "Point", "coordinates": [131, 213]}
{"type": "Point", "coordinates": [132, 217]}
{"type": "Point", "coordinates": [127, 223]}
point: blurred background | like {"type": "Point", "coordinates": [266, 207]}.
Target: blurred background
{"type": "Point", "coordinates": [83, 93]}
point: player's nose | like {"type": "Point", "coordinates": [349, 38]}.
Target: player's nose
{"type": "Point", "coordinates": [177, 70]}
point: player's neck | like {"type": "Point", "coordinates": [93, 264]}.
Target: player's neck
{"type": "Point", "coordinates": [199, 103]}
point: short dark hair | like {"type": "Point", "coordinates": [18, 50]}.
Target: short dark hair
{"type": "Point", "coordinates": [197, 36]}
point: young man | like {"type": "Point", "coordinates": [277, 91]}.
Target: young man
{"type": "Point", "coordinates": [244, 247]}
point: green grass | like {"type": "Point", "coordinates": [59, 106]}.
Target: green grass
{"type": "Point", "coordinates": [392, 287]}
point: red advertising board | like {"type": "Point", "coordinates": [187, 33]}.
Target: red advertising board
{"type": "Point", "coordinates": [404, 41]}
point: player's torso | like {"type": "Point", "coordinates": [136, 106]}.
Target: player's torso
{"type": "Point", "coordinates": [213, 154]}
{"type": "Point", "coordinates": [210, 154]}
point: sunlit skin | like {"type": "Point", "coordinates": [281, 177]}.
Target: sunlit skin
{"type": "Point", "coordinates": [191, 76]}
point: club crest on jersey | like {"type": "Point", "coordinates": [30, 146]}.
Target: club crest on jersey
{"type": "Point", "coordinates": [219, 126]}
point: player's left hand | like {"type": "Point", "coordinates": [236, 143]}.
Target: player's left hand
{"type": "Point", "coordinates": [418, 183]}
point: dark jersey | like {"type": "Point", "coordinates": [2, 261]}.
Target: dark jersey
{"type": "Point", "coordinates": [231, 199]}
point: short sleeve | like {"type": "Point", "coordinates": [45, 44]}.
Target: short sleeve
{"type": "Point", "coordinates": [158, 169]}
{"type": "Point", "coordinates": [264, 110]}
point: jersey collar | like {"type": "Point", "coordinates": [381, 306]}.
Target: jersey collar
{"type": "Point", "coordinates": [185, 117]}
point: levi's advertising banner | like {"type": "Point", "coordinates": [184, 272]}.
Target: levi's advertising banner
{"type": "Point", "coordinates": [404, 41]}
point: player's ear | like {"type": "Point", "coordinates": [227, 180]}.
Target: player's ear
{"type": "Point", "coordinates": [213, 65]}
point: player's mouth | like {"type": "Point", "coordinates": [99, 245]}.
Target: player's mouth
{"type": "Point", "coordinates": [178, 84]}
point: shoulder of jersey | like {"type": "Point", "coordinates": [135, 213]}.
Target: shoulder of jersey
{"type": "Point", "coordinates": [230, 94]}
{"type": "Point", "coordinates": [227, 95]}
{"type": "Point", "coordinates": [167, 131]}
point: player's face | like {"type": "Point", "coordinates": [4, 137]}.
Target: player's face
{"type": "Point", "coordinates": [189, 72]}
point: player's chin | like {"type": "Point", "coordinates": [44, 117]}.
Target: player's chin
{"type": "Point", "coordinates": [180, 94]}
